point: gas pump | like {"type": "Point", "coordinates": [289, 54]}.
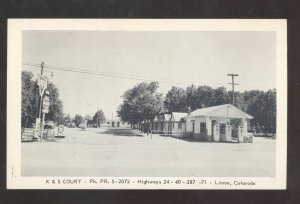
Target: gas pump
{"type": "Point", "coordinates": [216, 132]}
{"type": "Point", "coordinates": [240, 134]}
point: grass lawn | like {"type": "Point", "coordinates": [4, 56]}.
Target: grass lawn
{"type": "Point", "coordinates": [124, 152]}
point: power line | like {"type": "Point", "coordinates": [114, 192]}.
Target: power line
{"type": "Point", "coordinates": [107, 74]}
{"type": "Point", "coordinates": [123, 76]}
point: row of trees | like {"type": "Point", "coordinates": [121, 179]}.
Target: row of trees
{"type": "Point", "coordinates": [30, 97]}
{"type": "Point", "coordinates": [143, 103]}
{"type": "Point", "coordinates": [96, 120]}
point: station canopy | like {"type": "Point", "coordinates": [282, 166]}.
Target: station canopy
{"type": "Point", "coordinates": [226, 110]}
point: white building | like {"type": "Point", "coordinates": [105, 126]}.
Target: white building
{"type": "Point", "coordinates": [115, 123]}
{"type": "Point", "coordinates": [178, 124]}
{"type": "Point", "coordinates": [217, 123]}
{"type": "Point", "coordinates": [162, 124]}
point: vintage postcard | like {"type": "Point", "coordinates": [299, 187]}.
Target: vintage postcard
{"type": "Point", "coordinates": [146, 104]}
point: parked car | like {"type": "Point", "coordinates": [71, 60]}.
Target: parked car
{"type": "Point", "coordinates": [49, 131]}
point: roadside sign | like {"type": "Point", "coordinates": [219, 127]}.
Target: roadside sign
{"type": "Point", "coordinates": [42, 83]}
{"type": "Point", "coordinates": [46, 98]}
{"type": "Point", "coordinates": [45, 108]}
{"type": "Point", "coordinates": [46, 101]}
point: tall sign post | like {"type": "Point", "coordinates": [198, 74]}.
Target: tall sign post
{"type": "Point", "coordinates": [46, 104]}
{"type": "Point", "coordinates": [42, 83]}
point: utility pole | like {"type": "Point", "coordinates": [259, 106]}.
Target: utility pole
{"type": "Point", "coordinates": [38, 124]}
{"type": "Point", "coordinates": [232, 83]}
{"type": "Point", "coordinates": [40, 98]}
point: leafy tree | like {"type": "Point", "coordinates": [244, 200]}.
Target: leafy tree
{"type": "Point", "coordinates": [220, 96]}
{"type": "Point", "coordinates": [29, 102]}
{"type": "Point", "coordinates": [239, 101]}
{"type": "Point", "coordinates": [56, 105]}
{"type": "Point", "coordinates": [204, 96]}
{"type": "Point", "coordinates": [89, 120]}
{"type": "Point", "coordinates": [199, 97]}
{"type": "Point", "coordinates": [191, 97]}
{"type": "Point", "coordinates": [262, 106]}
{"type": "Point", "coordinates": [99, 118]}
{"type": "Point", "coordinates": [78, 119]}
{"type": "Point", "coordinates": [67, 119]}
{"type": "Point", "coordinates": [175, 100]}
{"type": "Point", "coordinates": [269, 120]}
{"type": "Point", "coordinates": [30, 97]}
{"type": "Point", "coordinates": [141, 103]}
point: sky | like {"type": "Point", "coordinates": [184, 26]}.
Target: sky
{"type": "Point", "coordinates": [174, 58]}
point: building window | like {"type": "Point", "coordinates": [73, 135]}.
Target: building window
{"type": "Point", "coordinates": [108, 122]}
{"type": "Point", "coordinates": [173, 125]}
{"type": "Point", "coordinates": [203, 128]}
{"type": "Point", "coordinates": [122, 123]}
{"type": "Point", "coordinates": [179, 126]}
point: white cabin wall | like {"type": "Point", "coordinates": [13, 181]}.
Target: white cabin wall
{"type": "Point", "coordinates": [189, 127]}
{"type": "Point", "coordinates": [176, 131]}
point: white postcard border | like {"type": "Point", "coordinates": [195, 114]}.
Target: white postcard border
{"type": "Point", "coordinates": [15, 28]}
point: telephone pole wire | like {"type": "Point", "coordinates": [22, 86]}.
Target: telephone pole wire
{"type": "Point", "coordinates": [232, 83]}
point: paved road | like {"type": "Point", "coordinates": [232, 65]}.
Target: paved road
{"type": "Point", "coordinates": [123, 152]}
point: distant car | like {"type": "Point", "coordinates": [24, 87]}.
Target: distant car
{"type": "Point", "coordinates": [234, 140]}
{"type": "Point", "coordinates": [72, 125]}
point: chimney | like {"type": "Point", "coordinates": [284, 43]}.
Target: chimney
{"type": "Point", "coordinates": [189, 110]}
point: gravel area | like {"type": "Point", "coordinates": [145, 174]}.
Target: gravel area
{"type": "Point", "coordinates": [126, 152]}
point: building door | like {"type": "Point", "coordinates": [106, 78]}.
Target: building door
{"type": "Point", "coordinates": [118, 124]}
{"type": "Point", "coordinates": [113, 124]}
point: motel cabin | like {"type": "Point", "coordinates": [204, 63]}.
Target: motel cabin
{"type": "Point", "coordinates": [115, 123]}
{"type": "Point", "coordinates": [171, 124]}
{"type": "Point", "coordinates": [178, 124]}
{"type": "Point", "coordinates": [162, 124]}
{"type": "Point", "coordinates": [223, 123]}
